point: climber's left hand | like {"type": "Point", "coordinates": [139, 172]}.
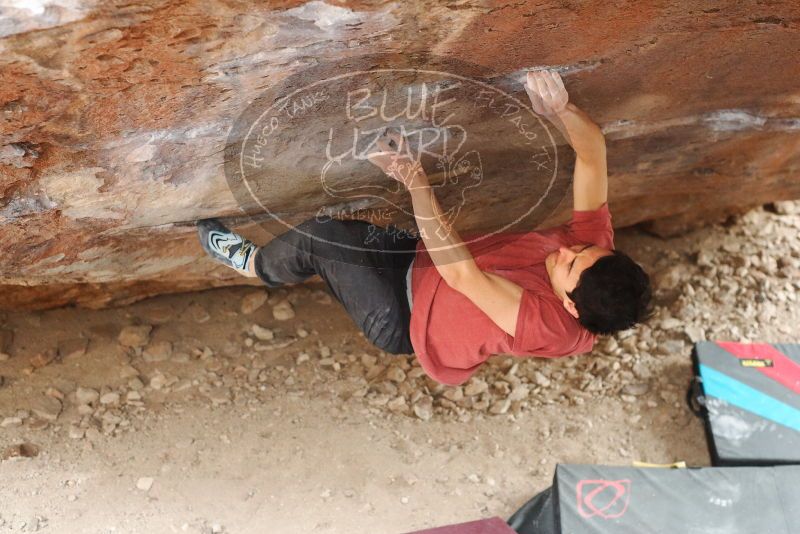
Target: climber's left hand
{"type": "Point", "coordinates": [393, 157]}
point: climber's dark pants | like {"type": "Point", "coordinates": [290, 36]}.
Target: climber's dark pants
{"type": "Point", "coordinates": [363, 265]}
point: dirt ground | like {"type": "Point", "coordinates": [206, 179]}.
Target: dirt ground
{"type": "Point", "coordinates": [199, 422]}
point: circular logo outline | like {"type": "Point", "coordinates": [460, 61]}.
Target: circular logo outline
{"type": "Point", "coordinates": [524, 108]}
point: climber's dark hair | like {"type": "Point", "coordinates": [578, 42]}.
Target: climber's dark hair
{"type": "Point", "coordinates": [612, 295]}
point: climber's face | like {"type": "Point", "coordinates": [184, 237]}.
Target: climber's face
{"type": "Point", "coordinates": [565, 266]}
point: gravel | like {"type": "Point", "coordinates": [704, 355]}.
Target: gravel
{"type": "Point", "coordinates": [86, 395]}
{"type": "Point", "coordinates": [144, 483]}
{"type": "Point", "coordinates": [135, 336]}
{"type": "Point", "coordinates": [262, 334]}
{"type": "Point", "coordinates": [719, 290]}
{"type": "Point", "coordinates": [46, 407]}
{"type": "Point", "coordinates": [157, 351]}
{"type": "Point", "coordinates": [253, 301]}
{"type": "Point", "coordinates": [283, 311]}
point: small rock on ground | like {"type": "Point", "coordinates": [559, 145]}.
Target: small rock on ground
{"type": "Point", "coordinates": [135, 336]}
{"type": "Point", "coordinates": [144, 483]}
{"type": "Point", "coordinates": [253, 301]}
{"type": "Point", "coordinates": [283, 311]}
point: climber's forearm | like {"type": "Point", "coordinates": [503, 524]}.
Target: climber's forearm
{"type": "Point", "coordinates": [590, 182]}
{"type": "Point", "coordinates": [448, 252]}
{"type": "Point", "coordinates": [549, 98]}
{"type": "Point", "coordinates": [581, 132]}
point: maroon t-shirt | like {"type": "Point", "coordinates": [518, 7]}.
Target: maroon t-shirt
{"type": "Point", "coordinates": [452, 337]}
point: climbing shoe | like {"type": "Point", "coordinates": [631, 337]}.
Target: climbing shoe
{"type": "Point", "coordinates": [225, 246]}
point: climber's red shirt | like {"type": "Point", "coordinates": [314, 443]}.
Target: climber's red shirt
{"type": "Point", "coordinates": [452, 337]}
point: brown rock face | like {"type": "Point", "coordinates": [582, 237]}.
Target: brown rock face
{"type": "Point", "coordinates": [124, 123]}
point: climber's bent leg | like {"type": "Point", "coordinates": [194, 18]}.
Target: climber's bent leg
{"type": "Point", "coordinates": [363, 265]}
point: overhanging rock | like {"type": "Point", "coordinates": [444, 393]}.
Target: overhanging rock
{"type": "Point", "coordinates": [116, 119]}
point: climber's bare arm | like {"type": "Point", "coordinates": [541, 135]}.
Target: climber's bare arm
{"type": "Point", "coordinates": [494, 295]}
{"type": "Point", "coordinates": [550, 99]}
{"type": "Point", "coordinates": [497, 297]}
{"type": "Point", "coordinates": [590, 187]}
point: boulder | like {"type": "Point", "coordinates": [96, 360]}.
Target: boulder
{"type": "Point", "coordinates": [117, 124]}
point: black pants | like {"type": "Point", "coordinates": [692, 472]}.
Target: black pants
{"type": "Point", "coordinates": [364, 266]}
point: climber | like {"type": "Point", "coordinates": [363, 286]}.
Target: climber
{"type": "Point", "coordinates": [547, 293]}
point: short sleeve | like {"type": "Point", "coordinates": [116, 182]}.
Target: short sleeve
{"type": "Point", "coordinates": [592, 226]}
{"type": "Point", "coordinates": [545, 330]}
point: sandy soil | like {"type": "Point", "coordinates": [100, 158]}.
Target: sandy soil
{"type": "Point", "coordinates": [204, 425]}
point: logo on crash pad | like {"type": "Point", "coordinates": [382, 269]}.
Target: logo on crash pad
{"type": "Point", "coordinates": [758, 363]}
{"type": "Point", "coordinates": [606, 499]}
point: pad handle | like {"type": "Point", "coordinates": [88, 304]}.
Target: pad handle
{"type": "Point", "coordinates": [695, 398]}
